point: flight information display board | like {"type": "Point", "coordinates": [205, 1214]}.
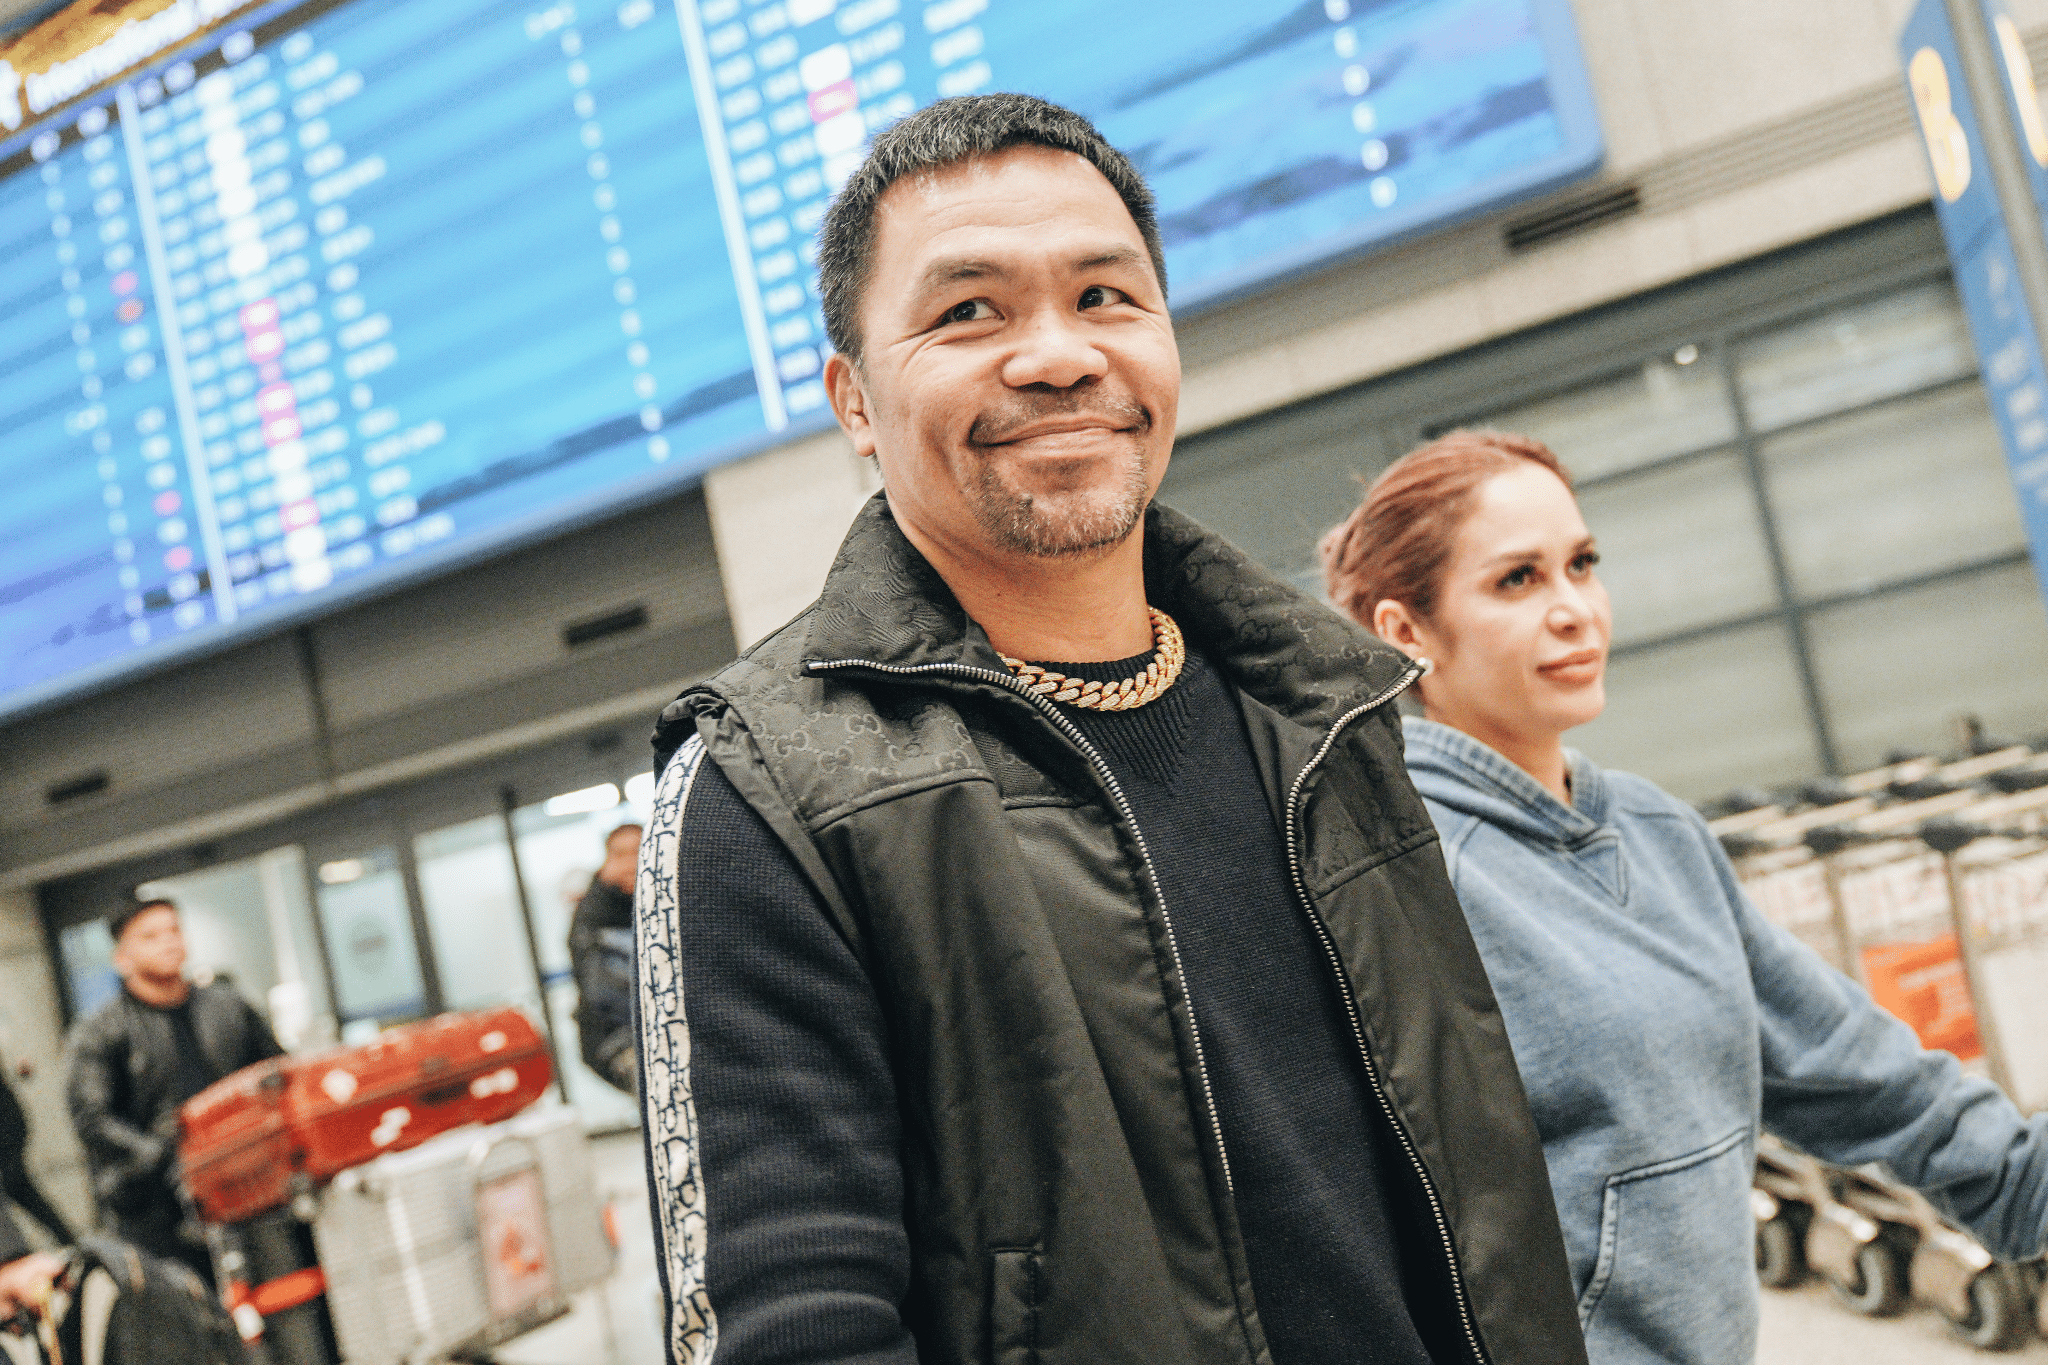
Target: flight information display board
{"type": "Point", "coordinates": [358, 290]}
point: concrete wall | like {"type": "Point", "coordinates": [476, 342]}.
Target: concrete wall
{"type": "Point", "coordinates": [29, 1032]}
{"type": "Point", "coordinates": [446, 673]}
{"type": "Point", "coordinates": [1743, 125]}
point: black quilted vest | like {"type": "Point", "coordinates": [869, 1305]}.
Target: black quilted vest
{"type": "Point", "coordinates": [1067, 1196]}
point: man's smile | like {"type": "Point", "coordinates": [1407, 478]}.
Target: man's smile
{"type": "Point", "coordinates": [1058, 437]}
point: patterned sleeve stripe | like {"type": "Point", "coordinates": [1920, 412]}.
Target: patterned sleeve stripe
{"type": "Point", "coordinates": [669, 1110]}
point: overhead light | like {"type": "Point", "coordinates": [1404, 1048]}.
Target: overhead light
{"type": "Point", "coordinates": [341, 870]}
{"type": "Point", "coordinates": [603, 796]}
{"type": "Point", "coordinates": [1686, 354]}
{"type": "Point", "coordinates": [640, 790]}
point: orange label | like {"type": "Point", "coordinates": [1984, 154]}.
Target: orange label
{"type": "Point", "coordinates": [1924, 984]}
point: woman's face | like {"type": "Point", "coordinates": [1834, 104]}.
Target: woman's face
{"type": "Point", "coordinates": [1520, 632]}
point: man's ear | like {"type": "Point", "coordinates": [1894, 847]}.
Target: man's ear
{"type": "Point", "coordinates": [850, 403]}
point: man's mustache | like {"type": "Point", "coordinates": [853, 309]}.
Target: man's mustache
{"type": "Point", "coordinates": [1003, 424]}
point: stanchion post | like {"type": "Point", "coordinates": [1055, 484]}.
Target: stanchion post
{"type": "Point", "coordinates": [1967, 947]}
{"type": "Point", "coordinates": [508, 802]}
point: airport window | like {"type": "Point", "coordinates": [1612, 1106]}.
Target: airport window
{"type": "Point", "coordinates": [1847, 357]}
{"type": "Point", "coordinates": [1661, 408]}
{"type": "Point", "coordinates": [1706, 713]}
{"type": "Point", "coordinates": [367, 922]}
{"type": "Point", "coordinates": [473, 916]}
{"type": "Point", "coordinates": [1681, 546]}
{"type": "Point", "coordinates": [1889, 663]}
{"type": "Point", "coordinates": [1865, 462]}
{"type": "Point", "coordinates": [1907, 487]}
{"type": "Point", "coordinates": [471, 899]}
{"type": "Point", "coordinates": [1810, 538]}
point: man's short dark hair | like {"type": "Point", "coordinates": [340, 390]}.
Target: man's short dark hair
{"type": "Point", "coordinates": [942, 135]}
{"type": "Point", "coordinates": [121, 916]}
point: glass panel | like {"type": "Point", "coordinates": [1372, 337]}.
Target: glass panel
{"type": "Point", "coordinates": [88, 953]}
{"type": "Point", "coordinates": [1707, 715]}
{"type": "Point", "coordinates": [250, 922]}
{"type": "Point", "coordinates": [1680, 547]}
{"type": "Point", "coordinates": [472, 909]}
{"type": "Point", "coordinates": [1661, 408]}
{"type": "Point", "coordinates": [369, 932]}
{"type": "Point", "coordinates": [1854, 355]}
{"type": "Point", "coordinates": [560, 855]}
{"type": "Point", "coordinates": [1898, 671]}
{"type": "Point", "coordinates": [1891, 492]}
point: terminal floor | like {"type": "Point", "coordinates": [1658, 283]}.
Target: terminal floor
{"type": "Point", "coordinates": [619, 1325]}
{"type": "Point", "coordinates": [1806, 1326]}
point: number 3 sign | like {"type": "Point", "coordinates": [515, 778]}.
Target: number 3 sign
{"type": "Point", "coordinates": [1948, 146]}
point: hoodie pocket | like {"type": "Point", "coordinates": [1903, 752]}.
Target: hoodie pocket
{"type": "Point", "coordinates": [1674, 1278]}
{"type": "Point", "coordinates": [1014, 1291]}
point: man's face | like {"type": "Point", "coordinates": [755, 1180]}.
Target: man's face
{"type": "Point", "coordinates": [621, 858]}
{"type": "Point", "coordinates": [1020, 380]}
{"type": "Point", "coordinates": [152, 946]}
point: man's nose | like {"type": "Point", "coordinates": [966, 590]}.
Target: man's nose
{"type": "Point", "coordinates": [1053, 347]}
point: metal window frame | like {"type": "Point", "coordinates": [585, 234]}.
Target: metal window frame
{"type": "Point", "coordinates": [1719, 311]}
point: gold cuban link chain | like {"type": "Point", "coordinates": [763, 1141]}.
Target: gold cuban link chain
{"type": "Point", "coordinates": [1170, 652]}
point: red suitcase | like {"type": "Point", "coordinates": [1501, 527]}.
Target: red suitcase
{"type": "Point", "coordinates": [247, 1138]}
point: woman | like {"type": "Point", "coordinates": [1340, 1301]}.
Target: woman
{"type": "Point", "coordinates": [1657, 1017]}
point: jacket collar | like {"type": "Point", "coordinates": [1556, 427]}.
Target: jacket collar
{"type": "Point", "coordinates": [884, 604]}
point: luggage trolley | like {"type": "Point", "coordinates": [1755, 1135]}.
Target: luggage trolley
{"type": "Point", "coordinates": [1789, 881]}
{"type": "Point", "coordinates": [1918, 899]}
{"type": "Point", "coordinates": [391, 1204]}
{"type": "Point", "coordinates": [1995, 858]}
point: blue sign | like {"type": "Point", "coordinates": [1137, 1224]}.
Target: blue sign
{"type": "Point", "coordinates": [358, 291]}
{"type": "Point", "coordinates": [1979, 244]}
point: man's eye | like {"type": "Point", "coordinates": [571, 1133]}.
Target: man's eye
{"type": "Point", "coordinates": [974, 310]}
{"type": "Point", "coordinates": [1101, 296]}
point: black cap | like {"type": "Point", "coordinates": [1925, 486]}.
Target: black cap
{"type": "Point", "coordinates": [121, 916]}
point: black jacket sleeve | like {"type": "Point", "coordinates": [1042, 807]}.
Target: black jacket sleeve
{"type": "Point", "coordinates": [123, 1157]}
{"type": "Point", "coordinates": [804, 1257]}
{"type": "Point", "coordinates": [259, 1043]}
{"type": "Point", "coordinates": [601, 959]}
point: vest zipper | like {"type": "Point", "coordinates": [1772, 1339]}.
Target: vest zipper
{"type": "Point", "coordinates": [1372, 1072]}
{"type": "Point", "coordinates": [1009, 682]}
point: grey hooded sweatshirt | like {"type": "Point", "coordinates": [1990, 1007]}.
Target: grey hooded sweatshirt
{"type": "Point", "coordinates": [1657, 1018]}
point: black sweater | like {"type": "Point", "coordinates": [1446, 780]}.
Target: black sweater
{"type": "Point", "coordinates": [808, 1258]}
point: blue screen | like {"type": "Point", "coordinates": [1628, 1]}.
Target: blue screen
{"type": "Point", "coordinates": [361, 290]}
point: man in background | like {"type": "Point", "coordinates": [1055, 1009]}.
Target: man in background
{"type": "Point", "coordinates": [601, 956]}
{"type": "Point", "coordinates": [15, 1181]}
{"type": "Point", "coordinates": [137, 1059]}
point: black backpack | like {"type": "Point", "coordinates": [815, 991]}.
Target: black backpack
{"type": "Point", "coordinates": [162, 1313]}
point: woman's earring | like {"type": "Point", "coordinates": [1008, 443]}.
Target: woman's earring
{"type": "Point", "coordinates": [1428, 664]}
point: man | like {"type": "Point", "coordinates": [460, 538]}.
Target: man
{"type": "Point", "coordinates": [15, 1181]}
{"type": "Point", "coordinates": [1042, 951]}
{"type": "Point", "coordinates": [136, 1060]}
{"type": "Point", "coordinates": [601, 957]}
